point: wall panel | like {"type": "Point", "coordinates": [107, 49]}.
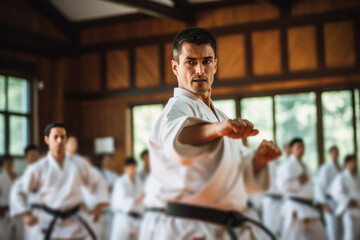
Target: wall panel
{"type": "Point", "coordinates": [118, 70]}
{"type": "Point", "coordinates": [147, 66]}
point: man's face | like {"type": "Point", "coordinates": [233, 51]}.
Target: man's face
{"type": "Point", "coordinates": [196, 68]}
{"type": "Point", "coordinates": [352, 166]}
{"type": "Point", "coordinates": [298, 149]}
{"type": "Point", "coordinates": [334, 154]}
{"type": "Point", "coordinates": [72, 145]}
{"type": "Point", "coordinates": [130, 170]}
{"type": "Point", "coordinates": [56, 140]}
{"type": "Point", "coordinates": [32, 156]}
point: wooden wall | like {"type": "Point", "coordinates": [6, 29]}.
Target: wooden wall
{"type": "Point", "coordinates": [261, 49]}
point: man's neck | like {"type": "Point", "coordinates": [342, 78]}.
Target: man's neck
{"type": "Point", "coordinates": [59, 157]}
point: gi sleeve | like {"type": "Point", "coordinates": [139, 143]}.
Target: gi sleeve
{"type": "Point", "coordinates": [94, 183]}
{"type": "Point", "coordinates": [254, 182]}
{"type": "Point", "coordinates": [321, 186]}
{"type": "Point", "coordinates": [181, 116]}
{"type": "Point", "coordinates": [21, 189]}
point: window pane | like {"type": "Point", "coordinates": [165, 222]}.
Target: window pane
{"type": "Point", "coordinates": [227, 106]}
{"type": "Point", "coordinates": [18, 95]}
{"type": "Point", "coordinates": [2, 134]}
{"type": "Point", "coordinates": [338, 122]}
{"type": "Point", "coordinates": [2, 93]}
{"type": "Point", "coordinates": [18, 134]}
{"type": "Point", "coordinates": [144, 118]}
{"type": "Point", "coordinates": [295, 116]}
{"type": "Point", "coordinates": [357, 110]}
{"type": "Point", "coordinates": [259, 112]}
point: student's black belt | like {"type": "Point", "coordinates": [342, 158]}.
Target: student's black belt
{"type": "Point", "coordinates": [274, 196]}
{"type": "Point", "coordinates": [307, 202]}
{"type": "Point", "coordinates": [63, 215]}
{"type": "Point", "coordinates": [159, 210]}
{"type": "Point", "coordinates": [230, 219]}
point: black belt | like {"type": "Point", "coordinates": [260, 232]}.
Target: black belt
{"type": "Point", "coordinates": [160, 210]}
{"type": "Point", "coordinates": [4, 208]}
{"type": "Point", "coordinates": [63, 215]}
{"type": "Point", "coordinates": [134, 214]}
{"type": "Point", "coordinates": [274, 196]}
{"type": "Point", "coordinates": [309, 203]}
{"type": "Point", "coordinates": [230, 219]}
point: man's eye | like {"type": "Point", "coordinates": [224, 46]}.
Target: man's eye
{"type": "Point", "coordinates": [207, 61]}
{"type": "Point", "coordinates": [189, 62]}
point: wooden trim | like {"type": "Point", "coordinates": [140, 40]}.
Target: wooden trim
{"type": "Point", "coordinates": [162, 65]}
{"type": "Point", "coordinates": [320, 45]}
{"type": "Point", "coordinates": [24, 40]}
{"type": "Point", "coordinates": [103, 71]}
{"type": "Point", "coordinates": [319, 128]}
{"type": "Point", "coordinates": [220, 4]}
{"type": "Point", "coordinates": [18, 68]}
{"type": "Point", "coordinates": [132, 68]}
{"type": "Point", "coordinates": [50, 12]}
{"type": "Point", "coordinates": [157, 9]}
{"type": "Point", "coordinates": [248, 56]}
{"type": "Point", "coordinates": [353, 103]}
{"type": "Point", "coordinates": [81, 25]}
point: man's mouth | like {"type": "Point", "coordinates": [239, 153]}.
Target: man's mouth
{"type": "Point", "coordinates": [199, 80]}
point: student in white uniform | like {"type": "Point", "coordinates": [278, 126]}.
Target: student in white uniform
{"type": "Point", "coordinates": [199, 166]}
{"type": "Point", "coordinates": [6, 180]}
{"type": "Point", "coordinates": [126, 203]}
{"type": "Point", "coordinates": [273, 200]}
{"type": "Point", "coordinates": [302, 217]}
{"type": "Point", "coordinates": [345, 189]}
{"type": "Point", "coordinates": [327, 173]}
{"type": "Point", "coordinates": [33, 232]}
{"type": "Point", "coordinates": [105, 162]}
{"type": "Point", "coordinates": [90, 199]}
{"type": "Point", "coordinates": [58, 178]}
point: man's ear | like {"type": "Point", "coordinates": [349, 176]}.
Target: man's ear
{"type": "Point", "coordinates": [174, 67]}
{"type": "Point", "coordinates": [216, 61]}
{"type": "Point", "coordinates": [46, 139]}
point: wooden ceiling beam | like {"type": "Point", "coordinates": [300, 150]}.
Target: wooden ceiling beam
{"type": "Point", "coordinates": [157, 10]}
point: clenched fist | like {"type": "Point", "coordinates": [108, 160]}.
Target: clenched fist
{"type": "Point", "coordinates": [266, 152]}
{"type": "Point", "coordinates": [236, 128]}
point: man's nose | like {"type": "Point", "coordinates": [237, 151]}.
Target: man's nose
{"type": "Point", "coordinates": [199, 69]}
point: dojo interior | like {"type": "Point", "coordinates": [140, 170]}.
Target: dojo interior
{"type": "Point", "coordinates": [103, 68]}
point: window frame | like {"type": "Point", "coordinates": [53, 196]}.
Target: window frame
{"type": "Point", "coordinates": [6, 113]}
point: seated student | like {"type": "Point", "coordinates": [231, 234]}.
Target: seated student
{"type": "Point", "coordinates": [302, 218]}
{"type": "Point", "coordinates": [345, 189]}
{"type": "Point", "coordinates": [58, 178]}
{"type": "Point", "coordinates": [126, 202]}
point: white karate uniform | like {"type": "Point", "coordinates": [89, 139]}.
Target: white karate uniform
{"type": "Point", "coordinates": [30, 232]}
{"type": "Point", "coordinates": [125, 192]}
{"type": "Point", "coordinates": [306, 224]}
{"type": "Point", "coordinates": [5, 221]}
{"type": "Point", "coordinates": [343, 188]}
{"type": "Point", "coordinates": [326, 175]}
{"type": "Point", "coordinates": [216, 175]}
{"type": "Point", "coordinates": [58, 188]}
{"type": "Point", "coordinates": [90, 201]}
{"type": "Point", "coordinates": [107, 216]}
{"type": "Point", "coordinates": [271, 206]}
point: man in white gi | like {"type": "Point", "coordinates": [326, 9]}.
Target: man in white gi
{"type": "Point", "coordinates": [302, 217]}
{"type": "Point", "coordinates": [345, 189]}
{"type": "Point", "coordinates": [126, 203]}
{"type": "Point", "coordinates": [58, 179]}
{"type": "Point", "coordinates": [105, 161]}
{"type": "Point", "coordinates": [30, 232]}
{"type": "Point", "coordinates": [326, 175]}
{"type": "Point", "coordinates": [6, 180]}
{"type": "Point", "coordinates": [200, 170]}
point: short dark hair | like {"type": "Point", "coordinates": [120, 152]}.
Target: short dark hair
{"type": "Point", "coordinates": [144, 152]}
{"type": "Point", "coordinates": [129, 161]}
{"type": "Point", "coordinates": [31, 147]}
{"type": "Point", "coordinates": [192, 35]}
{"type": "Point", "coordinates": [350, 158]}
{"type": "Point", "coordinates": [334, 147]}
{"type": "Point", "coordinates": [296, 140]}
{"type": "Point", "coordinates": [54, 125]}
